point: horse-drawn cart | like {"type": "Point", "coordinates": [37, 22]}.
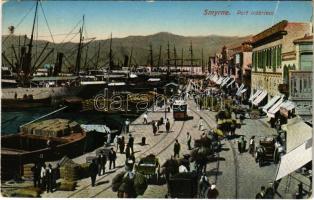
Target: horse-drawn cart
{"type": "Point", "coordinates": [265, 150]}
{"type": "Point", "coordinates": [149, 167]}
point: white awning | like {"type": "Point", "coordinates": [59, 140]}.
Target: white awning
{"type": "Point", "coordinates": [271, 103]}
{"type": "Point", "coordinates": [288, 105]}
{"type": "Point", "coordinates": [219, 81]}
{"type": "Point", "coordinates": [258, 92]}
{"type": "Point", "coordinates": [295, 159]}
{"type": "Point", "coordinates": [230, 83]}
{"type": "Point", "coordinates": [275, 108]}
{"type": "Point", "coordinates": [93, 82]}
{"type": "Point", "coordinates": [297, 132]}
{"type": "Point", "coordinates": [260, 98]}
{"type": "Point", "coordinates": [225, 81]}
{"type": "Point", "coordinates": [214, 78]}
{"type": "Point", "coordinates": [240, 89]}
{"type": "Point", "coordinates": [96, 127]}
{"type": "Point", "coordinates": [116, 84]}
{"type": "Point", "coordinates": [153, 79]}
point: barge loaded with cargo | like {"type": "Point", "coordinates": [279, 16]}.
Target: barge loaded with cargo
{"type": "Point", "coordinates": [46, 140]}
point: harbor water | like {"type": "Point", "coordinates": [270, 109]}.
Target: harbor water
{"type": "Point", "coordinates": [12, 120]}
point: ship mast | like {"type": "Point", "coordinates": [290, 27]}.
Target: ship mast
{"type": "Point", "coordinates": [175, 56]}
{"type": "Point", "coordinates": [78, 57]}
{"type": "Point", "coordinates": [191, 52]}
{"type": "Point", "coordinates": [168, 56]}
{"type": "Point", "coordinates": [28, 59]}
{"type": "Point", "coordinates": [159, 57]}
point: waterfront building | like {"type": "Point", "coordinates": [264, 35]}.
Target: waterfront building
{"type": "Point", "coordinates": [271, 48]}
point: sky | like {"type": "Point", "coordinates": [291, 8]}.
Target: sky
{"type": "Point", "coordinates": [124, 18]}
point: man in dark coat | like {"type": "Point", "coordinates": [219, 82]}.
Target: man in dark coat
{"type": "Point", "coordinates": [103, 163]}
{"type": "Point", "coordinates": [122, 144]}
{"type": "Point", "coordinates": [49, 178]}
{"type": "Point", "coordinates": [36, 174]}
{"type": "Point", "coordinates": [131, 142]}
{"type": "Point", "coordinates": [212, 192]}
{"type": "Point", "coordinates": [93, 172]}
{"type": "Point", "coordinates": [112, 158]}
{"type": "Point", "coordinates": [167, 126]}
{"type": "Point", "coordinates": [176, 148]}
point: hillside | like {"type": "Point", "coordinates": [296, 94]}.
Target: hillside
{"type": "Point", "coordinates": [122, 46]}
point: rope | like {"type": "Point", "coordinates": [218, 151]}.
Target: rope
{"type": "Point", "coordinates": [46, 22]}
{"type": "Point", "coordinates": [19, 23]}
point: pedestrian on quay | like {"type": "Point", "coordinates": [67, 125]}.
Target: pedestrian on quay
{"type": "Point", "coordinates": [145, 118]}
{"type": "Point", "coordinates": [116, 142]}
{"type": "Point", "coordinates": [36, 174]}
{"type": "Point", "coordinates": [112, 158]}
{"type": "Point", "coordinates": [43, 176]}
{"type": "Point", "coordinates": [103, 162]}
{"type": "Point", "coordinates": [127, 126]}
{"type": "Point", "coordinates": [108, 139]}
{"type": "Point", "coordinates": [203, 185]}
{"type": "Point", "coordinates": [189, 139]}
{"type": "Point", "coordinates": [252, 146]}
{"type": "Point", "coordinates": [122, 145]}
{"type": "Point", "coordinates": [167, 125]}
{"type": "Point", "coordinates": [154, 128]}
{"type": "Point", "coordinates": [261, 194]}
{"type": "Point", "coordinates": [269, 192]}
{"type": "Point", "coordinates": [200, 124]}
{"type": "Point", "coordinates": [99, 160]}
{"type": "Point", "coordinates": [49, 178]}
{"type": "Point", "coordinates": [93, 172]}
{"type": "Point", "coordinates": [131, 142]}
{"type": "Point", "coordinates": [212, 192]}
{"type": "Point", "coordinates": [127, 151]}
{"type": "Point", "coordinates": [176, 149]}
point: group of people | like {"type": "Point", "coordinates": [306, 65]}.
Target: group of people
{"type": "Point", "coordinates": [156, 124]}
{"type": "Point", "coordinates": [44, 176]}
{"type": "Point", "coordinates": [99, 165]}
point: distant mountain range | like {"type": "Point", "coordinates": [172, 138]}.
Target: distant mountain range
{"type": "Point", "coordinates": [122, 47]}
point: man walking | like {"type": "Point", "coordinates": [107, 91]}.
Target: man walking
{"type": "Point", "coordinates": [112, 158]}
{"type": "Point", "coordinates": [167, 126]}
{"type": "Point", "coordinates": [36, 174]}
{"type": "Point", "coordinates": [127, 126]}
{"type": "Point", "coordinates": [189, 138]}
{"type": "Point", "coordinates": [252, 146]}
{"type": "Point", "coordinates": [154, 128]}
{"type": "Point", "coordinates": [145, 118]}
{"type": "Point", "coordinates": [176, 149]}
{"type": "Point", "coordinates": [131, 142]}
{"type": "Point", "coordinates": [93, 172]}
{"type": "Point", "coordinates": [200, 124]}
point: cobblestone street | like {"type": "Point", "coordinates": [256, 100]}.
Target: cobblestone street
{"type": "Point", "coordinates": [236, 175]}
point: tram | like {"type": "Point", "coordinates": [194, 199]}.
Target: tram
{"type": "Point", "coordinates": [180, 110]}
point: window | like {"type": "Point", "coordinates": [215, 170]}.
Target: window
{"type": "Point", "coordinates": [306, 62]}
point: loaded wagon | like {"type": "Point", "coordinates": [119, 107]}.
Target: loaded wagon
{"type": "Point", "coordinates": [149, 167]}
{"type": "Point", "coordinates": [265, 150]}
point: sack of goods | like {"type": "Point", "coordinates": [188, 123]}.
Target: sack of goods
{"type": "Point", "coordinates": [29, 192]}
{"type": "Point", "coordinates": [66, 185]}
{"type": "Point", "coordinates": [84, 170]}
{"type": "Point", "coordinates": [70, 172]}
{"type": "Point", "coordinates": [117, 182]}
{"type": "Point", "coordinates": [140, 183]}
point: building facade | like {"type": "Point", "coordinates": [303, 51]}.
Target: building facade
{"type": "Point", "coordinates": [271, 48]}
{"type": "Point", "coordinates": [300, 76]}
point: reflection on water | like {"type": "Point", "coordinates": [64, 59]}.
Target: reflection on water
{"type": "Point", "coordinates": [12, 120]}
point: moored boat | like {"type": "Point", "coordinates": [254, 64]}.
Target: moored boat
{"type": "Point", "coordinates": [46, 140]}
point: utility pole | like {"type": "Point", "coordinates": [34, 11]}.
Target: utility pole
{"type": "Point", "coordinates": [110, 58]}
{"type": "Point", "coordinates": [98, 53]}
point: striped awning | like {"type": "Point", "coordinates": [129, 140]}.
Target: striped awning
{"type": "Point", "coordinates": [275, 108]}
{"type": "Point", "coordinates": [260, 98]}
{"type": "Point", "coordinates": [271, 103]}
{"type": "Point", "coordinates": [240, 89]}
{"type": "Point", "coordinates": [219, 81]}
{"type": "Point", "coordinates": [225, 81]}
{"type": "Point", "coordinates": [258, 92]}
{"type": "Point", "coordinates": [288, 105]}
{"type": "Point", "coordinates": [230, 83]}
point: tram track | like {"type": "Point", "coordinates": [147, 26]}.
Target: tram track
{"type": "Point", "coordinates": [156, 154]}
{"type": "Point", "coordinates": [235, 159]}
{"type": "Point", "coordinates": [141, 154]}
